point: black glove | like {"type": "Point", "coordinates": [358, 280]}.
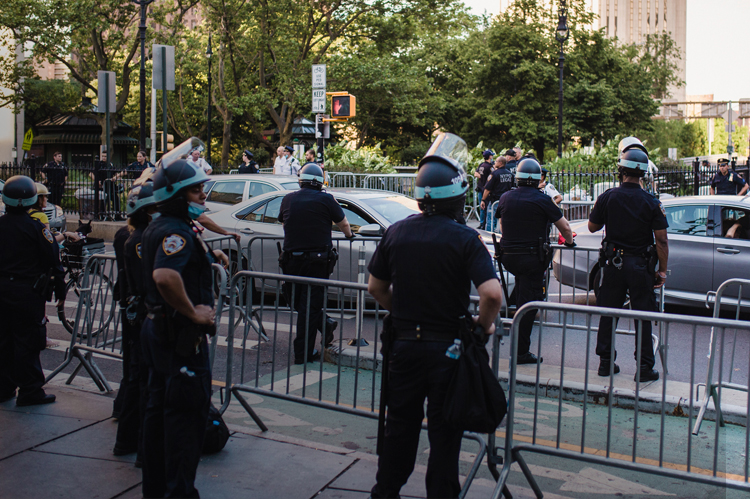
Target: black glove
{"type": "Point", "coordinates": [352, 236]}
{"type": "Point", "coordinates": [571, 244]}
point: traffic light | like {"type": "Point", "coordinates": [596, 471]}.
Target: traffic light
{"type": "Point", "coordinates": [343, 106]}
{"type": "Point", "coordinates": [160, 142]}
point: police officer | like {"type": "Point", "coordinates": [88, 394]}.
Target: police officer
{"type": "Point", "coordinates": [55, 174]}
{"type": "Point", "coordinates": [482, 174]}
{"type": "Point", "coordinates": [422, 272]}
{"type": "Point", "coordinates": [726, 181]}
{"type": "Point", "coordinates": [140, 206]}
{"type": "Point", "coordinates": [511, 160]}
{"type": "Point", "coordinates": [500, 182]}
{"type": "Point", "coordinates": [26, 260]}
{"type": "Point", "coordinates": [248, 163]}
{"type": "Point", "coordinates": [307, 215]}
{"type": "Point", "coordinates": [179, 298]}
{"type": "Point", "coordinates": [633, 219]}
{"type": "Point", "coordinates": [525, 215]}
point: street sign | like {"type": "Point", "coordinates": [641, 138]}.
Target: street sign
{"type": "Point", "coordinates": [319, 76]}
{"type": "Point", "coordinates": [27, 140]}
{"type": "Point", "coordinates": [111, 87]}
{"type": "Point", "coordinates": [157, 72]}
{"type": "Point", "coordinates": [319, 100]}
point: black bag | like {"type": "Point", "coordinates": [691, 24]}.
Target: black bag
{"type": "Point", "coordinates": [475, 400]}
{"type": "Point", "coordinates": [217, 432]}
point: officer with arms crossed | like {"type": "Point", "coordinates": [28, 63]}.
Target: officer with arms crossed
{"type": "Point", "coordinates": [307, 215]}
{"type": "Point", "coordinates": [727, 181]}
{"type": "Point", "coordinates": [422, 272]}
{"type": "Point", "coordinates": [179, 299]}
{"type": "Point", "coordinates": [525, 216]}
{"type": "Point", "coordinates": [633, 219]}
{"type": "Point", "coordinates": [26, 260]}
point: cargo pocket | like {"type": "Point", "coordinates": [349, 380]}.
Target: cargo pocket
{"type": "Point", "coordinates": [188, 390]}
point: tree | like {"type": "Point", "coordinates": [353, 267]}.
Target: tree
{"type": "Point", "coordinates": [658, 57]}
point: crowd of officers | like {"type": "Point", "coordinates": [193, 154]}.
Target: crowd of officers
{"type": "Point", "coordinates": [165, 291]}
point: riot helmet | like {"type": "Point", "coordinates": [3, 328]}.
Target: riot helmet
{"type": "Point", "coordinates": [629, 143]}
{"type": "Point", "coordinates": [528, 173]}
{"type": "Point", "coordinates": [311, 177]}
{"type": "Point", "coordinates": [171, 182]}
{"type": "Point", "coordinates": [19, 192]}
{"type": "Point", "coordinates": [139, 198]}
{"type": "Point", "coordinates": [633, 162]}
{"type": "Point", "coordinates": [441, 183]}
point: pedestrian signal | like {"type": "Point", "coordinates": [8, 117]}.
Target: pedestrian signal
{"type": "Point", "coordinates": [343, 106]}
{"type": "Point", "coordinates": [160, 142]}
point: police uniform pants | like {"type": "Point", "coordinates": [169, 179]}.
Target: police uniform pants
{"type": "Point", "coordinates": [133, 388]}
{"type": "Point", "coordinates": [22, 337]}
{"type": "Point", "coordinates": [418, 370]}
{"type": "Point", "coordinates": [113, 196]}
{"type": "Point", "coordinates": [176, 415]}
{"type": "Point", "coordinates": [309, 321]}
{"type": "Point", "coordinates": [482, 212]}
{"type": "Point", "coordinates": [635, 279]}
{"type": "Point", "coordinates": [530, 280]}
{"type": "Point", "coordinates": [56, 193]}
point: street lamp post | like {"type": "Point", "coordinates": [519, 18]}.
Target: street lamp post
{"type": "Point", "coordinates": [561, 35]}
{"type": "Point", "coordinates": [142, 29]}
{"type": "Point", "coordinates": [208, 142]}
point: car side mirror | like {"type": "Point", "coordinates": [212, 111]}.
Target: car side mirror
{"type": "Point", "coordinates": [370, 230]}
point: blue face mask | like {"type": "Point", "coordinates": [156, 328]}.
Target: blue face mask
{"type": "Point", "coordinates": [195, 210]}
{"type": "Point", "coordinates": [155, 215]}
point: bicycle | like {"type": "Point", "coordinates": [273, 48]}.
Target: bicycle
{"type": "Point", "coordinates": [75, 257]}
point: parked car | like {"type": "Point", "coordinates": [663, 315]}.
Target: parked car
{"type": "Point", "coordinates": [369, 213]}
{"type": "Point", "coordinates": [709, 242]}
{"type": "Point", "coordinates": [55, 213]}
{"type": "Point", "coordinates": [227, 190]}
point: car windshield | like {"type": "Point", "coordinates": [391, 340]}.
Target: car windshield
{"type": "Point", "coordinates": [393, 208]}
{"type": "Point", "coordinates": [290, 186]}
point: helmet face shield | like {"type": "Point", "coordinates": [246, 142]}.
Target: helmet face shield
{"type": "Point", "coordinates": [182, 151]}
{"type": "Point", "coordinates": [451, 148]}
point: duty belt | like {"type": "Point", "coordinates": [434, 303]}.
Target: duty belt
{"type": "Point", "coordinates": [521, 251]}
{"type": "Point", "coordinates": [16, 278]}
{"type": "Point", "coordinates": [419, 335]}
{"type": "Point", "coordinates": [309, 253]}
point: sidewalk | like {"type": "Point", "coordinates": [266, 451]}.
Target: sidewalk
{"type": "Point", "coordinates": [65, 450]}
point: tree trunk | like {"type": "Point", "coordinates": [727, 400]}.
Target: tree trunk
{"type": "Point", "coordinates": [226, 137]}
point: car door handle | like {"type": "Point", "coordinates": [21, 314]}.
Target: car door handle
{"type": "Point", "coordinates": [728, 251]}
{"type": "Point", "coordinates": [247, 231]}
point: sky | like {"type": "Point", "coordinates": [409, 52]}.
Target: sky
{"type": "Point", "coordinates": [716, 58]}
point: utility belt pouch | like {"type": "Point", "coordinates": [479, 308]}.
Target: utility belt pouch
{"type": "Point", "coordinates": [132, 306]}
{"type": "Point", "coordinates": [652, 257]}
{"type": "Point", "coordinates": [544, 250]}
{"type": "Point", "coordinates": [188, 335]}
{"type": "Point", "coordinates": [333, 257]}
{"type": "Point", "coordinates": [284, 257]}
{"type": "Point", "coordinates": [610, 255]}
{"type": "Point", "coordinates": [42, 285]}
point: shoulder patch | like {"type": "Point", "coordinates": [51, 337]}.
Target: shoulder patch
{"type": "Point", "coordinates": [48, 235]}
{"type": "Point", "coordinates": [731, 177]}
{"type": "Point", "coordinates": [173, 244]}
{"type": "Point", "coordinates": [663, 211]}
{"type": "Point", "coordinates": [138, 250]}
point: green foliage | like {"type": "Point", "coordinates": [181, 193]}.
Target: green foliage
{"type": "Point", "coordinates": [688, 138]}
{"type": "Point", "coordinates": [369, 159]}
{"type": "Point", "coordinates": [45, 98]}
{"type": "Point", "coordinates": [658, 57]}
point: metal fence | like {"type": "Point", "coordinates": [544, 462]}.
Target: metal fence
{"type": "Point", "coordinates": [581, 442]}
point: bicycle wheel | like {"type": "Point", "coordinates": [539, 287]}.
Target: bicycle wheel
{"type": "Point", "coordinates": [101, 306]}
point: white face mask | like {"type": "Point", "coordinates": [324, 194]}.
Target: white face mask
{"type": "Point", "coordinates": [155, 215]}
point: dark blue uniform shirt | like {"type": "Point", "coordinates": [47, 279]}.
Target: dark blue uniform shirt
{"type": "Point", "coordinates": [118, 244]}
{"type": "Point", "coordinates": [484, 170]}
{"type": "Point", "coordinates": [55, 172]}
{"type": "Point", "coordinates": [431, 262]}
{"type": "Point", "coordinates": [500, 182]}
{"type": "Point", "coordinates": [731, 183]}
{"type": "Point", "coordinates": [526, 214]}
{"type": "Point", "coordinates": [171, 243]}
{"type": "Point", "coordinates": [511, 166]}
{"type": "Point", "coordinates": [134, 263]}
{"type": "Point", "coordinates": [631, 215]}
{"type": "Point", "coordinates": [26, 249]}
{"type": "Point", "coordinates": [307, 215]}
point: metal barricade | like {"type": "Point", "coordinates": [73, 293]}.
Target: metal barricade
{"type": "Point", "coordinates": [490, 221]}
{"type": "Point", "coordinates": [97, 322]}
{"type": "Point", "coordinates": [345, 180]}
{"type": "Point", "coordinates": [231, 247]}
{"type": "Point", "coordinates": [576, 210]}
{"type": "Point", "coordinates": [605, 412]}
{"type": "Point", "coordinates": [713, 388]}
{"type": "Point", "coordinates": [279, 377]}
{"type": "Point", "coordinates": [402, 183]}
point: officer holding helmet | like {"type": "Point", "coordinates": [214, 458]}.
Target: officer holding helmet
{"type": "Point", "coordinates": [140, 207]}
{"type": "Point", "coordinates": [307, 215]}
{"type": "Point", "coordinates": [524, 216]}
{"type": "Point", "coordinates": [179, 299]}
{"type": "Point", "coordinates": [422, 272]}
{"type": "Point", "coordinates": [27, 258]}
{"type": "Point", "coordinates": [633, 219]}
